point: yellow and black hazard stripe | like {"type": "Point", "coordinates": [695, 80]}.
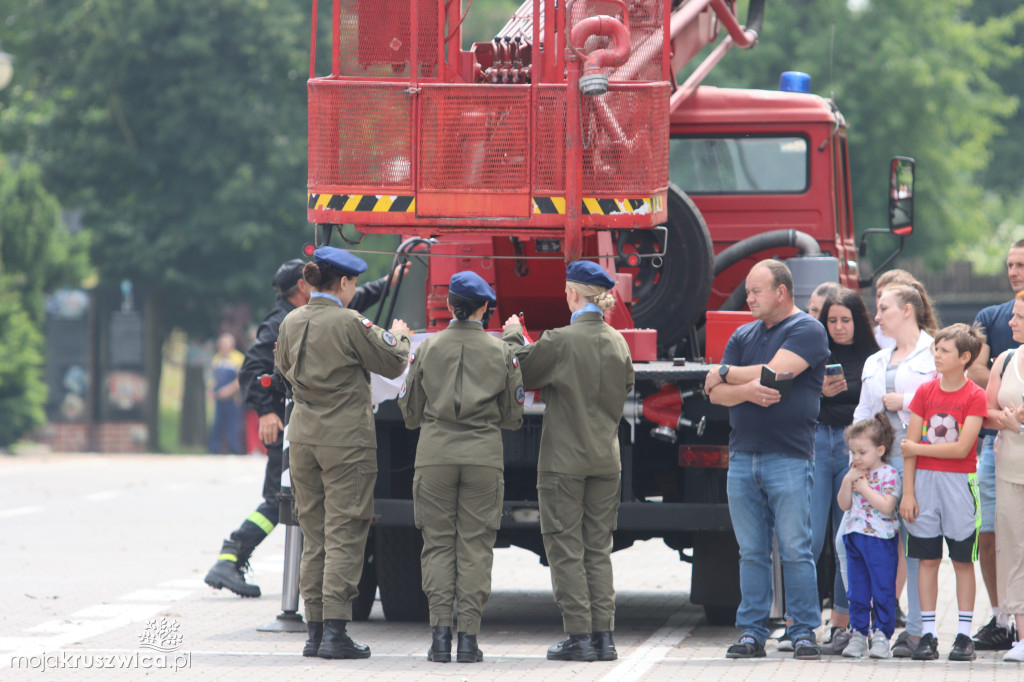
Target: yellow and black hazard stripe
{"type": "Point", "coordinates": [594, 206]}
{"type": "Point", "coordinates": [371, 203]}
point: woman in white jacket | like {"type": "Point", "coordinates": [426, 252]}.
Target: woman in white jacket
{"type": "Point", "coordinates": [890, 378]}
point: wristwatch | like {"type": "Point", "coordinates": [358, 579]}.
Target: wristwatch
{"type": "Point", "coordinates": [723, 370]}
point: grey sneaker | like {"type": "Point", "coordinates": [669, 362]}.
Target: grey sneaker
{"type": "Point", "coordinates": [784, 643]}
{"type": "Point", "coordinates": [839, 641]}
{"type": "Point", "coordinates": [904, 645]}
{"type": "Point", "coordinates": [857, 647]}
{"type": "Point", "coordinates": [879, 645]}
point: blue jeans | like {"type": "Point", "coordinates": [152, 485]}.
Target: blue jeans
{"type": "Point", "coordinates": [987, 483]}
{"type": "Point", "coordinates": [914, 625]}
{"type": "Point", "coordinates": [227, 426]}
{"type": "Point", "coordinates": [831, 462]}
{"type": "Point", "coordinates": [770, 493]}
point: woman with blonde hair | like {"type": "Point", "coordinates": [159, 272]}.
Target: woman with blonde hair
{"type": "Point", "coordinates": [584, 373]}
{"type": "Point", "coordinates": [899, 277]}
{"type": "Point", "coordinates": [888, 383]}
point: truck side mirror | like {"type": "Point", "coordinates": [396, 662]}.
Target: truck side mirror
{"type": "Point", "coordinates": [901, 196]}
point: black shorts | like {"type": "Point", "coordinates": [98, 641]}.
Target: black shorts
{"type": "Point", "coordinates": [964, 551]}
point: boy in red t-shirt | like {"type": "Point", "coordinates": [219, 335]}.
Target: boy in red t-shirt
{"type": "Point", "coordinates": [940, 486]}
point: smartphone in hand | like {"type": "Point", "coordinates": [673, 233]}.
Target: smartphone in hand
{"type": "Point", "coordinates": [780, 381]}
{"type": "Point", "coordinates": [833, 370]}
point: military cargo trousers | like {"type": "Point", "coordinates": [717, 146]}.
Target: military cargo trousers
{"type": "Point", "coordinates": [333, 489]}
{"type": "Point", "coordinates": [458, 510]}
{"type": "Point", "coordinates": [577, 517]}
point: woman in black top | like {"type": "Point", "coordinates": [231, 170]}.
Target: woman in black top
{"type": "Point", "coordinates": [850, 340]}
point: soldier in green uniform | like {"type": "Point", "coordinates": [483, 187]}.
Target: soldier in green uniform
{"type": "Point", "coordinates": [583, 372]}
{"type": "Point", "coordinates": [463, 387]}
{"type": "Point", "coordinates": [326, 351]}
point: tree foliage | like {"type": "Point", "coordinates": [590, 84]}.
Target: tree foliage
{"type": "Point", "coordinates": [178, 128]}
{"type": "Point", "coordinates": [911, 78]}
{"type": "Point", "coordinates": [22, 391]}
{"type": "Point", "coordinates": [37, 254]}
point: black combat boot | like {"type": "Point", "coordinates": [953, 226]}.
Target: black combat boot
{"type": "Point", "coordinates": [573, 648]}
{"type": "Point", "coordinates": [468, 651]}
{"type": "Point", "coordinates": [337, 644]}
{"type": "Point", "coordinates": [440, 644]}
{"type": "Point", "coordinates": [316, 633]}
{"type": "Point", "coordinates": [604, 645]}
{"type": "Point", "coordinates": [228, 572]}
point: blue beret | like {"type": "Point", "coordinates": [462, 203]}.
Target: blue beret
{"type": "Point", "coordinates": [588, 272]}
{"type": "Point", "coordinates": [341, 260]}
{"type": "Point", "coordinates": [468, 284]}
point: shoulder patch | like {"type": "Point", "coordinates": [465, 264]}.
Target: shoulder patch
{"type": "Point", "coordinates": [388, 338]}
{"type": "Point", "coordinates": [520, 395]}
{"type": "Point", "coordinates": [366, 322]}
{"type": "Point", "coordinates": [401, 393]}
{"type": "Point", "coordinates": [515, 361]}
{"type": "Point", "coordinates": [412, 358]}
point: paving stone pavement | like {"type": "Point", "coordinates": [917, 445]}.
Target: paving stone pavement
{"type": "Point", "coordinates": [104, 555]}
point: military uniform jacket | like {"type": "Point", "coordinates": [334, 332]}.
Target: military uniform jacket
{"type": "Point", "coordinates": [326, 353]}
{"type": "Point", "coordinates": [463, 387]}
{"type": "Point", "coordinates": [583, 372]}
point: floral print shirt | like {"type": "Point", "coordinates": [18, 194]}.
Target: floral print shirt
{"type": "Point", "coordinates": [863, 518]}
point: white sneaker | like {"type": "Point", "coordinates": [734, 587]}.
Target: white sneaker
{"type": "Point", "coordinates": [1016, 654]}
{"type": "Point", "coordinates": [857, 647]}
{"type": "Point", "coordinates": [879, 645]}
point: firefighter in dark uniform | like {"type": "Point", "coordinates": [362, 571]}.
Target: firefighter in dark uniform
{"type": "Point", "coordinates": [583, 372]}
{"type": "Point", "coordinates": [463, 387]}
{"type": "Point", "coordinates": [326, 352]}
{"type": "Point", "coordinates": [292, 292]}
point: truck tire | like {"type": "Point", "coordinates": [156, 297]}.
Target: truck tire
{"type": "Point", "coordinates": [671, 299]}
{"type": "Point", "coordinates": [363, 603]}
{"type": "Point", "coordinates": [397, 560]}
{"type": "Point", "coordinates": [715, 580]}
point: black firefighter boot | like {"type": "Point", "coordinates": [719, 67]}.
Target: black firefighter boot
{"type": "Point", "coordinates": [316, 633]}
{"type": "Point", "coordinates": [227, 572]}
{"type": "Point", "coordinates": [440, 644]}
{"type": "Point", "coordinates": [337, 644]}
{"type": "Point", "coordinates": [468, 651]}
{"type": "Point", "coordinates": [604, 645]}
{"type": "Point", "coordinates": [573, 648]}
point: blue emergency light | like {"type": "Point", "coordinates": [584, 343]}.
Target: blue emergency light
{"type": "Point", "coordinates": [794, 81]}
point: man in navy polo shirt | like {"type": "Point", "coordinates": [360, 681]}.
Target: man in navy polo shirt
{"type": "Point", "coordinates": [771, 464]}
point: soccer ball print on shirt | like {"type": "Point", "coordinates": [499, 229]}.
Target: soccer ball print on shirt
{"type": "Point", "coordinates": [941, 428]}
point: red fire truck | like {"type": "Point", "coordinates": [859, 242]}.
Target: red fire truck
{"type": "Point", "coordinates": [568, 136]}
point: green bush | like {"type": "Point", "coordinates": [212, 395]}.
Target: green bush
{"type": "Point", "coordinates": [22, 391]}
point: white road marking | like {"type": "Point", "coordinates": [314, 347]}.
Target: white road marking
{"type": "Point", "coordinates": [183, 583]}
{"type": "Point", "coordinates": [105, 495]}
{"type": "Point", "coordinates": [654, 649]}
{"type": "Point", "coordinates": [89, 622]}
{"type": "Point", "coordinates": [154, 595]}
{"type": "Point", "coordinates": [19, 511]}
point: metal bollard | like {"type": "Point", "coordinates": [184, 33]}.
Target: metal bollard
{"type": "Point", "coordinates": [778, 610]}
{"type": "Point", "coordinates": [289, 620]}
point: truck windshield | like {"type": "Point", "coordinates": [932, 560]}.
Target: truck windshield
{"type": "Point", "coordinates": [739, 165]}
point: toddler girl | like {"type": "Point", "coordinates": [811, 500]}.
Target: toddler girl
{"type": "Point", "coordinates": [869, 494]}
